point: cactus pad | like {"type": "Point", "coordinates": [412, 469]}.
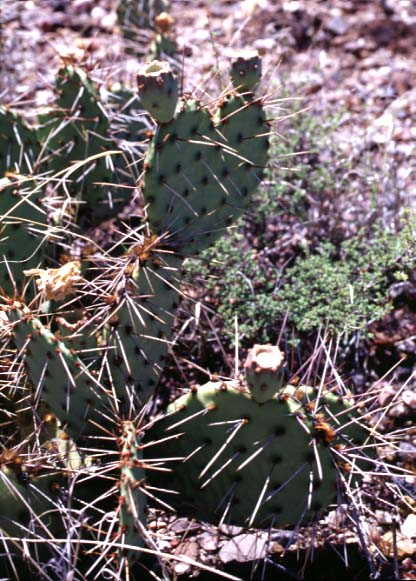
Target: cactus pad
{"type": "Point", "coordinates": [22, 224]}
{"type": "Point", "coordinates": [18, 144]}
{"type": "Point", "coordinates": [64, 383]}
{"type": "Point", "coordinates": [77, 130]}
{"type": "Point", "coordinates": [201, 170]}
{"type": "Point", "coordinates": [247, 462]}
{"type": "Point", "coordinates": [132, 499]}
{"type": "Point", "coordinates": [140, 336]}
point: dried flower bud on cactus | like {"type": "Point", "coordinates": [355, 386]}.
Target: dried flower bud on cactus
{"type": "Point", "coordinates": [158, 89]}
{"type": "Point", "coordinates": [246, 70]}
{"type": "Point", "coordinates": [264, 369]}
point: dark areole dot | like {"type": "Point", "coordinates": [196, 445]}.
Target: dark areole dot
{"type": "Point", "coordinates": [309, 456]}
{"type": "Point", "coordinates": [117, 361]}
{"type": "Point", "coordinates": [240, 449]}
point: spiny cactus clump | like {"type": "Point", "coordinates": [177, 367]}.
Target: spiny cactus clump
{"type": "Point", "coordinates": [85, 348]}
{"type": "Point", "coordinates": [258, 451]}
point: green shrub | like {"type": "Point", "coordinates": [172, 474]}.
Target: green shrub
{"type": "Point", "coordinates": [343, 289]}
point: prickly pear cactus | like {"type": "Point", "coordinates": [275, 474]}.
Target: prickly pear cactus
{"type": "Point", "coordinates": [88, 346]}
{"type": "Point", "coordinates": [202, 166]}
{"type": "Point", "coordinates": [265, 461]}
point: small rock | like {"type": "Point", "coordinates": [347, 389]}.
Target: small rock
{"type": "Point", "coordinates": [208, 541]}
{"type": "Point", "coordinates": [408, 528]}
{"type": "Point", "coordinates": [245, 547]}
{"type": "Point", "coordinates": [337, 25]}
{"type": "Point", "coordinates": [186, 549]}
{"type": "Point", "coordinates": [409, 398]}
{"type": "Point", "coordinates": [399, 410]}
{"type": "Point", "coordinates": [182, 525]}
{"type": "Point", "coordinates": [230, 530]}
{"type": "Point", "coordinates": [264, 45]}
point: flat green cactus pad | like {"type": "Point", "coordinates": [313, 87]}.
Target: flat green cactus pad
{"type": "Point", "coordinates": [64, 383]}
{"type": "Point", "coordinates": [200, 172]}
{"type": "Point", "coordinates": [18, 144]}
{"type": "Point", "coordinates": [24, 498]}
{"type": "Point", "coordinates": [140, 338]}
{"type": "Point", "coordinates": [22, 232]}
{"type": "Point", "coordinates": [77, 130]}
{"type": "Point", "coordinates": [246, 462]}
{"type": "Point", "coordinates": [132, 499]}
